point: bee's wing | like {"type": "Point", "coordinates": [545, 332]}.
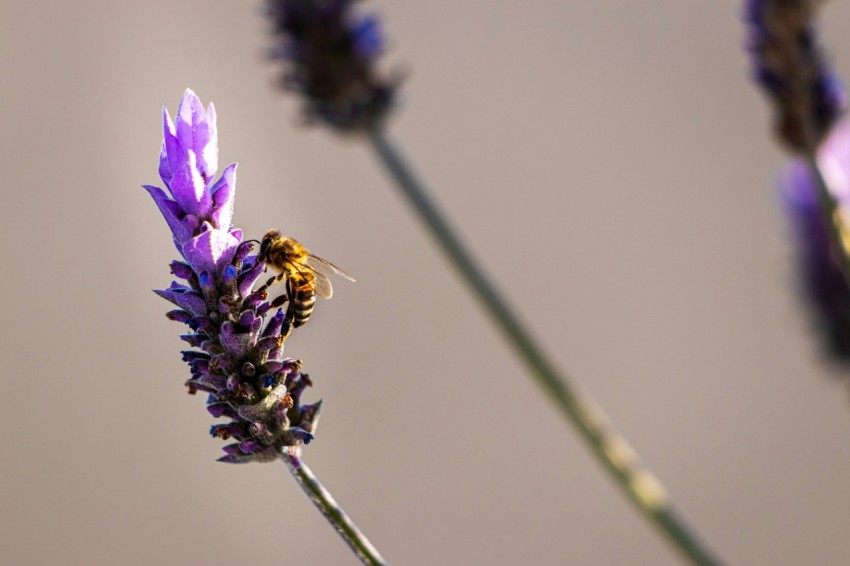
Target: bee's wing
{"type": "Point", "coordinates": [324, 266]}
{"type": "Point", "coordinates": [323, 285]}
{"type": "Point", "coordinates": [320, 281]}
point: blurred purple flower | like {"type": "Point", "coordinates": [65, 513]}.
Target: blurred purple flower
{"type": "Point", "coordinates": [788, 63]}
{"type": "Point", "coordinates": [332, 54]}
{"type": "Point", "coordinates": [239, 360]}
{"type": "Point", "coordinates": [820, 273]}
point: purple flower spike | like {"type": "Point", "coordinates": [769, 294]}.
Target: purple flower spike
{"type": "Point", "coordinates": [197, 210]}
{"type": "Point", "coordinates": [332, 54]}
{"type": "Point", "coordinates": [788, 63]}
{"type": "Point", "coordinates": [194, 134]}
{"type": "Point", "coordinates": [217, 299]}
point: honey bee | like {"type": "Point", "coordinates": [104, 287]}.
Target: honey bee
{"type": "Point", "coordinates": [306, 274]}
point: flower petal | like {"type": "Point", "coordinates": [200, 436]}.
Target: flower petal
{"type": "Point", "coordinates": [237, 344]}
{"type": "Point", "coordinates": [188, 188]}
{"type": "Point", "coordinates": [223, 193]}
{"type": "Point", "coordinates": [248, 278]}
{"type": "Point", "coordinates": [196, 131]}
{"type": "Point", "coordinates": [170, 152]}
{"type": "Point", "coordinates": [186, 300]}
{"type": "Point", "coordinates": [182, 226]}
{"type": "Point", "coordinates": [210, 250]}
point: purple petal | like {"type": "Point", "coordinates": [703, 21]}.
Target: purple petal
{"type": "Point", "coordinates": [222, 363]}
{"type": "Point", "coordinates": [188, 188]}
{"type": "Point", "coordinates": [236, 430]}
{"type": "Point", "coordinates": [186, 300]}
{"type": "Point", "coordinates": [209, 382]}
{"type": "Point", "coordinates": [221, 409]}
{"type": "Point", "coordinates": [229, 275]}
{"type": "Point", "coordinates": [199, 366]}
{"type": "Point", "coordinates": [242, 252]}
{"type": "Point", "coordinates": [223, 193]}
{"type": "Point", "coordinates": [210, 151]}
{"type": "Point", "coordinates": [178, 316]}
{"type": "Point", "coordinates": [296, 436]}
{"type": "Point", "coordinates": [273, 367]}
{"type": "Point", "coordinates": [220, 430]}
{"type": "Point", "coordinates": [310, 416]}
{"type": "Point", "coordinates": [237, 344]}
{"type": "Point", "coordinates": [190, 355]}
{"type": "Point", "coordinates": [248, 320]}
{"type": "Point", "coordinates": [247, 279]}
{"type": "Point", "coordinates": [267, 455]}
{"type": "Point", "coordinates": [206, 282]}
{"type": "Point", "coordinates": [268, 348]}
{"type": "Point", "coordinates": [274, 325]}
{"type": "Point", "coordinates": [196, 131]}
{"type": "Point", "coordinates": [182, 270]}
{"type": "Point", "coordinates": [231, 449]}
{"type": "Point", "coordinates": [170, 151]}
{"type": "Point", "coordinates": [250, 446]}
{"type": "Point", "coordinates": [298, 383]}
{"type": "Point", "coordinates": [194, 340]}
{"type": "Point", "coordinates": [255, 301]}
{"type": "Point", "coordinates": [210, 250]}
{"type": "Point", "coordinates": [182, 226]}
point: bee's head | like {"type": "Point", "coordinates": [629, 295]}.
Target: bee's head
{"type": "Point", "coordinates": [268, 239]}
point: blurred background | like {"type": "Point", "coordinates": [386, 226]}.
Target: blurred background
{"type": "Point", "coordinates": [611, 165]}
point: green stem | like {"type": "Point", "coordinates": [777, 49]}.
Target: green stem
{"type": "Point", "coordinates": [325, 502]}
{"type": "Point", "coordinates": [612, 450]}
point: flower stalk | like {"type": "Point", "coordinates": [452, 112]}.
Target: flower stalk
{"type": "Point", "coordinates": [327, 505]}
{"type": "Point", "coordinates": [609, 447]}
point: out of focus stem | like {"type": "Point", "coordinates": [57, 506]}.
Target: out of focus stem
{"type": "Point", "coordinates": [610, 448]}
{"type": "Point", "coordinates": [328, 506]}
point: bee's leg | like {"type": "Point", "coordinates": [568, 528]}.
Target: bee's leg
{"type": "Point", "coordinates": [270, 282]}
{"type": "Point", "coordinates": [279, 301]}
{"type": "Point", "coordinates": [287, 328]}
{"type": "Point", "coordinates": [290, 311]}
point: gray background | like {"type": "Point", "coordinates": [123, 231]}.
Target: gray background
{"type": "Point", "coordinates": [610, 164]}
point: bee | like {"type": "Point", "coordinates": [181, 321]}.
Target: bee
{"type": "Point", "coordinates": [306, 274]}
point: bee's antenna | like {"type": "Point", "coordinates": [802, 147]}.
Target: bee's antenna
{"type": "Point", "coordinates": [246, 241]}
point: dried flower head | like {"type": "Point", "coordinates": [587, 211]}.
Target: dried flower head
{"type": "Point", "coordinates": [787, 62]}
{"type": "Point", "coordinates": [332, 53]}
{"type": "Point", "coordinates": [821, 276]}
{"type": "Point", "coordinates": [238, 356]}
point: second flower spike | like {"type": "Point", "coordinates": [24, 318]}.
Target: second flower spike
{"type": "Point", "coordinates": [332, 52]}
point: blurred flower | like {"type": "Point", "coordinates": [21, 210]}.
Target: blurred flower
{"type": "Point", "coordinates": [789, 65]}
{"type": "Point", "coordinates": [238, 359]}
{"type": "Point", "coordinates": [332, 54]}
{"type": "Point", "coordinates": [820, 272]}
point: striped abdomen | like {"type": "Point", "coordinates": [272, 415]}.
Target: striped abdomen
{"type": "Point", "coordinates": [302, 293]}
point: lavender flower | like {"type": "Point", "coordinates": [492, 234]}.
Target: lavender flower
{"type": "Point", "coordinates": [238, 357]}
{"type": "Point", "coordinates": [821, 277]}
{"type": "Point", "coordinates": [332, 52]}
{"type": "Point", "coordinates": [789, 65]}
